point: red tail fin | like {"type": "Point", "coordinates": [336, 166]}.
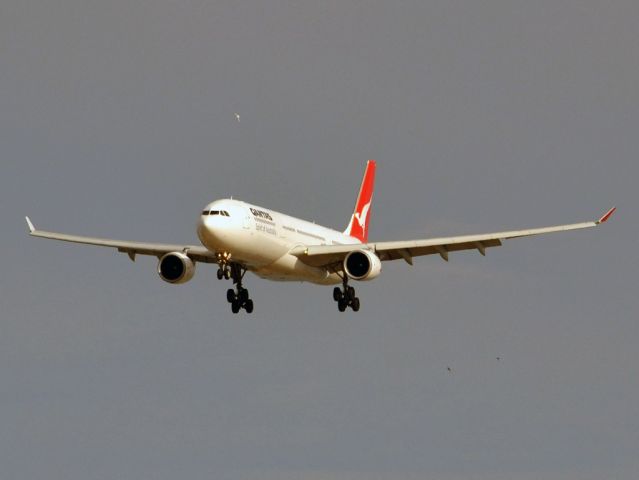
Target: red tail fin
{"type": "Point", "coordinates": [358, 226]}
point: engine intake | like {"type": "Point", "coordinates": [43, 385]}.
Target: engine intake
{"type": "Point", "coordinates": [176, 267]}
{"type": "Point", "coordinates": [362, 265]}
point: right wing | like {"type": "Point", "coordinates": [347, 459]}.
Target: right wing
{"type": "Point", "coordinates": [198, 254]}
{"type": "Point", "coordinates": [327, 255]}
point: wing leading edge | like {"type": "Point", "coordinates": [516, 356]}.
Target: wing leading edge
{"type": "Point", "coordinates": [323, 255]}
{"type": "Point", "coordinates": [199, 254]}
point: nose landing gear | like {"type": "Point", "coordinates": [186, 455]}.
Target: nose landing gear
{"type": "Point", "coordinates": [224, 261]}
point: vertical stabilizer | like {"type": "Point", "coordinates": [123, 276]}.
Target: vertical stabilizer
{"type": "Point", "coordinates": [358, 226]}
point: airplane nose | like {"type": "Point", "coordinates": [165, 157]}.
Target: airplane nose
{"type": "Point", "coordinates": [213, 231]}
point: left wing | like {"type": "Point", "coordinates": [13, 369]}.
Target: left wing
{"type": "Point", "coordinates": [325, 255]}
{"type": "Point", "coordinates": [198, 254]}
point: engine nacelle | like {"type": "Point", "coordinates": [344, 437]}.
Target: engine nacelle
{"type": "Point", "coordinates": [362, 265]}
{"type": "Point", "coordinates": [176, 267]}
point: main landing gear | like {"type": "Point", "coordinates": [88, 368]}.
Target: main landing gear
{"type": "Point", "coordinates": [238, 298]}
{"type": "Point", "coordinates": [346, 297]}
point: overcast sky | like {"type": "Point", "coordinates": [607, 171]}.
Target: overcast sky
{"type": "Point", "coordinates": [117, 119]}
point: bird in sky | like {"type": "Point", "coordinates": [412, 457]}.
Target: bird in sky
{"type": "Point", "coordinates": [237, 115]}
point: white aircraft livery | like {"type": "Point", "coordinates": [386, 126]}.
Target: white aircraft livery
{"type": "Point", "coordinates": [241, 237]}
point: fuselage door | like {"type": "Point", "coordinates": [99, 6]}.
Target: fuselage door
{"type": "Point", "coordinates": [247, 220]}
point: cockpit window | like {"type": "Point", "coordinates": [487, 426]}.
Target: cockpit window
{"type": "Point", "coordinates": [224, 213]}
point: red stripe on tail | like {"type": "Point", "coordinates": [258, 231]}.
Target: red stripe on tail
{"type": "Point", "coordinates": [358, 226]}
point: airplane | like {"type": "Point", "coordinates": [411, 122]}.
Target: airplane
{"type": "Point", "coordinates": [241, 237]}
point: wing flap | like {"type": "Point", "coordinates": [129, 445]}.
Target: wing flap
{"type": "Point", "coordinates": [395, 253]}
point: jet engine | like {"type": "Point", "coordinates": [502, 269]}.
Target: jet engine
{"type": "Point", "coordinates": [362, 265]}
{"type": "Point", "coordinates": [176, 267]}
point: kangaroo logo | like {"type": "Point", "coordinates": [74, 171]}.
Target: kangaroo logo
{"type": "Point", "coordinates": [358, 222]}
{"type": "Point", "coordinates": [361, 219]}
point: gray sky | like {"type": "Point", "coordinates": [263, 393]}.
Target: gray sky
{"type": "Point", "coordinates": [117, 120]}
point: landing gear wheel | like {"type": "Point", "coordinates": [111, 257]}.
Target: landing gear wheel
{"type": "Point", "coordinates": [341, 305]}
{"type": "Point", "coordinates": [243, 295]}
{"type": "Point", "coordinates": [235, 306]}
{"type": "Point", "coordinates": [248, 306]}
{"type": "Point", "coordinates": [337, 294]}
{"type": "Point", "coordinates": [350, 293]}
{"type": "Point", "coordinates": [230, 295]}
{"type": "Point", "coordinates": [227, 274]}
{"type": "Point", "coordinates": [220, 274]}
{"type": "Point", "coordinates": [355, 304]}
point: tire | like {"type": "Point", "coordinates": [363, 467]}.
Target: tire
{"type": "Point", "coordinates": [227, 274]}
{"type": "Point", "coordinates": [341, 305]}
{"type": "Point", "coordinates": [337, 294]}
{"type": "Point", "coordinates": [248, 306]}
{"type": "Point", "coordinates": [235, 306]}
{"type": "Point", "coordinates": [351, 293]}
{"type": "Point", "coordinates": [355, 304]}
{"type": "Point", "coordinates": [230, 295]}
{"type": "Point", "coordinates": [243, 295]}
{"type": "Point", "coordinates": [220, 274]}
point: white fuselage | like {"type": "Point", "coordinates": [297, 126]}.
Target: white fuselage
{"type": "Point", "coordinates": [261, 238]}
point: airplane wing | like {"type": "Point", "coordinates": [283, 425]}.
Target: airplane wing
{"type": "Point", "coordinates": [198, 254]}
{"type": "Point", "coordinates": [326, 255]}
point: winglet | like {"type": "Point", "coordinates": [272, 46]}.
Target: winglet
{"type": "Point", "coordinates": [606, 216]}
{"type": "Point", "coordinates": [30, 224]}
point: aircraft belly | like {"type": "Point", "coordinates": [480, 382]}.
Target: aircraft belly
{"type": "Point", "coordinates": [290, 268]}
{"type": "Point", "coordinates": [261, 250]}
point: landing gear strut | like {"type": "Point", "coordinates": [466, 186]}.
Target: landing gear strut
{"type": "Point", "coordinates": [345, 297]}
{"type": "Point", "coordinates": [238, 298]}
